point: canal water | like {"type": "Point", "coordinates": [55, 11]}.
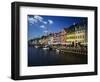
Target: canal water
{"type": "Point", "coordinates": [40, 57]}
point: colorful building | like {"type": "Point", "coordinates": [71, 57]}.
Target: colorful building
{"type": "Point", "coordinates": [50, 39]}
{"type": "Point", "coordinates": [77, 35]}
{"type": "Point", "coordinates": [43, 40]}
{"type": "Point", "coordinates": [81, 35]}
{"type": "Point", "coordinates": [56, 38]}
{"type": "Point", "coordinates": [63, 37]}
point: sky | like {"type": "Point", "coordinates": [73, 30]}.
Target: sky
{"type": "Point", "coordinates": [39, 25]}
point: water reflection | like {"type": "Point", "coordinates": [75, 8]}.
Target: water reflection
{"type": "Point", "coordinates": [40, 57]}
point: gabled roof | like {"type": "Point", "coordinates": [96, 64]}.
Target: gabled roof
{"type": "Point", "coordinates": [76, 27]}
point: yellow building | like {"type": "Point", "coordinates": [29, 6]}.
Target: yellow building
{"type": "Point", "coordinates": [43, 40]}
{"type": "Point", "coordinates": [81, 37]}
{"type": "Point", "coordinates": [76, 35]}
{"type": "Point", "coordinates": [70, 38]}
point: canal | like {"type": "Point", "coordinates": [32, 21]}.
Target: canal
{"type": "Point", "coordinates": [40, 57]}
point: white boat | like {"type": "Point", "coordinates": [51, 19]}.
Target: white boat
{"type": "Point", "coordinates": [46, 47]}
{"type": "Point", "coordinates": [36, 46]}
{"type": "Point", "coordinates": [57, 50]}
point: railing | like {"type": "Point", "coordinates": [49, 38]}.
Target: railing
{"type": "Point", "coordinates": [76, 51]}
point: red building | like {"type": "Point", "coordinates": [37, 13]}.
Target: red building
{"type": "Point", "coordinates": [56, 38]}
{"type": "Point", "coordinates": [63, 37]}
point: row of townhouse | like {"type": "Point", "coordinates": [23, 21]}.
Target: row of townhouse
{"type": "Point", "coordinates": [74, 35]}
{"type": "Point", "coordinates": [77, 35]}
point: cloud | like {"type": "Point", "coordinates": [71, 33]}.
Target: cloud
{"type": "Point", "coordinates": [32, 20]}
{"type": "Point", "coordinates": [36, 19]}
{"type": "Point", "coordinates": [50, 21]}
{"type": "Point", "coordinates": [42, 26]}
{"type": "Point", "coordinates": [39, 18]}
{"type": "Point", "coordinates": [45, 31]}
{"type": "Point", "coordinates": [44, 22]}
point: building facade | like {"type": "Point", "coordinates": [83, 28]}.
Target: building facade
{"type": "Point", "coordinates": [63, 37]}
{"type": "Point", "coordinates": [50, 39]}
{"type": "Point", "coordinates": [81, 36]}
{"type": "Point", "coordinates": [76, 35]}
{"type": "Point", "coordinates": [56, 38]}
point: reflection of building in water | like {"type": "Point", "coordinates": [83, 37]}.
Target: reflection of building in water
{"type": "Point", "coordinates": [77, 35]}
